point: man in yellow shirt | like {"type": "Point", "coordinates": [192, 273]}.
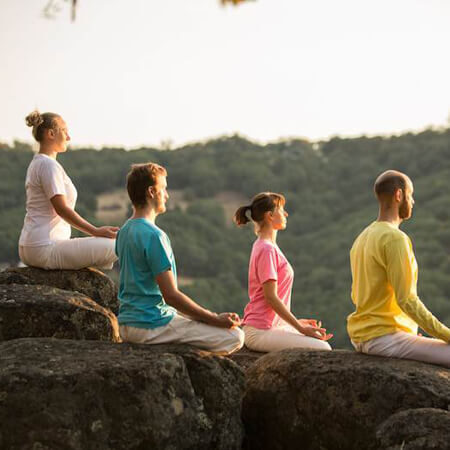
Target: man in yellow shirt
{"type": "Point", "coordinates": [384, 290]}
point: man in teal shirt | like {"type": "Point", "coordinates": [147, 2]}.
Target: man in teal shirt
{"type": "Point", "coordinates": [152, 309]}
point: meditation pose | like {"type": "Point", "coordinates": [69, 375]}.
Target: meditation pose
{"type": "Point", "coordinates": [268, 323]}
{"type": "Point", "coordinates": [152, 309]}
{"type": "Point", "coordinates": [384, 290]}
{"type": "Point", "coordinates": [50, 201]}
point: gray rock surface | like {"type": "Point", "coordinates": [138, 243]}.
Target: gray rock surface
{"type": "Point", "coordinates": [416, 429]}
{"type": "Point", "coordinates": [300, 399]}
{"type": "Point", "coordinates": [245, 358]}
{"type": "Point", "coordinates": [65, 394]}
{"type": "Point", "coordinates": [91, 282]}
{"type": "Point", "coordinates": [43, 311]}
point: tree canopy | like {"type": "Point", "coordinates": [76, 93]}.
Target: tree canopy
{"type": "Point", "coordinates": [328, 187]}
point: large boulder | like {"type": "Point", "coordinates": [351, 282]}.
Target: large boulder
{"type": "Point", "coordinates": [416, 429]}
{"type": "Point", "coordinates": [245, 358]}
{"type": "Point", "coordinates": [65, 394]}
{"type": "Point", "coordinates": [44, 311]}
{"type": "Point", "coordinates": [303, 399]}
{"type": "Point", "coordinates": [90, 282]}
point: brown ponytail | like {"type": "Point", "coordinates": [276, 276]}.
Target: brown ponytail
{"type": "Point", "coordinates": [240, 216]}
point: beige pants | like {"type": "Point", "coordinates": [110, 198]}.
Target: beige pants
{"type": "Point", "coordinates": [279, 338]}
{"type": "Point", "coordinates": [181, 330]}
{"type": "Point", "coordinates": [407, 346]}
{"type": "Point", "coordinates": [73, 254]}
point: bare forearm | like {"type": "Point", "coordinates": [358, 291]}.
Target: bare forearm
{"type": "Point", "coordinates": [279, 307]}
{"type": "Point", "coordinates": [186, 306]}
{"type": "Point", "coordinates": [75, 220]}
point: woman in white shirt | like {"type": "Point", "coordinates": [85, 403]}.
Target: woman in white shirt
{"type": "Point", "coordinates": [45, 238]}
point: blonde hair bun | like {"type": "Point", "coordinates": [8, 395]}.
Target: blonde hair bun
{"type": "Point", "coordinates": [34, 119]}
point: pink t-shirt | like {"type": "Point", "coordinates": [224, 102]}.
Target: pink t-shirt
{"type": "Point", "coordinates": [267, 262]}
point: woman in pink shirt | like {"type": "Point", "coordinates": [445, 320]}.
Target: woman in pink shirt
{"type": "Point", "coordinates": [269, 324]}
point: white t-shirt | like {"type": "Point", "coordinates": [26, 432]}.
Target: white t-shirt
{"type": "Point", "coordinates": [45, 179]}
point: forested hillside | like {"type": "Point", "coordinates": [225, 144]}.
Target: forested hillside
{"type": "Point", "coordinates": [328, 186]}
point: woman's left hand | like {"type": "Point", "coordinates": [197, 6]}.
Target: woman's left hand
{"type": "Point", "coordinates": [106, 231]}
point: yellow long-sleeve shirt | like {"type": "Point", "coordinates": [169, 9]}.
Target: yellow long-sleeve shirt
{"type": "Point", "coordinates": [384, 288]}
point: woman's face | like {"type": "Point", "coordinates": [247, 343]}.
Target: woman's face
{"type": "Point", "coordinates": [60, 135]}
{"type": "Point", "coordinates": [279, 218]}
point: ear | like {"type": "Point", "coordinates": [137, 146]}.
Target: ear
{"type": "Point", "coordinates": [150, 192]}
{"type": "Point", "coordinates": [398, 195]}
{"type": "Point", "coordinates": [268, 215]}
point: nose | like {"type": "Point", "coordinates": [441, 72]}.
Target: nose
{"type": "Point", "coordinates": [285, 214]}
{"type": "Point", "coordinates": [67, 137]}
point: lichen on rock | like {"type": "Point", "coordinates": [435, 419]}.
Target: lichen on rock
{"type": "Point", "coordinates": [83, 394]}
{"type": "Point", "coordinates": [333, 400]}
{"type": "Point", "coordinates": [44, 311]}
{"type": "Point", "coordinates": [91, 282]}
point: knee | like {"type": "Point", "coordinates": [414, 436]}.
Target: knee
{"type": "Point", "coordinates": [323, 345]}
{"type": "Point", "coordinates": [240, 336]}
{"type": "Point", "coordinates": [235, 340]}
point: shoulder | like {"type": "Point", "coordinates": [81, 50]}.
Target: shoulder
{"type": "Point", "coordinates": [147, 229]}
{"type": "Point", "coordinates": [395, 235]}
{"type": "Point", "coordinates": [396, 241]}
{"type": "Point", "coordinates": [46, 164]}
{"type": "Point", "coordinates": [385, 232]}
{"type": "Point", "coordinates": [263, 248]}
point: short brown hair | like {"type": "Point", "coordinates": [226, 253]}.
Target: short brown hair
{"type": "Point", "coordinates": [261, 203]}
{"type": "Point", "coordinates": [388, 182]}
{"type": "Point", "coordinates": [140, 178]}
{"type": "Point", "coordinates": [41, 122]}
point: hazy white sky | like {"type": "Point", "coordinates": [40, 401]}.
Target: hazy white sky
{"type": "Point", "coordinates": [136, 72]}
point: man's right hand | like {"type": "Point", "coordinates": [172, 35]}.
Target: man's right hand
{"type": "Point", "coordinates": [226, 320]}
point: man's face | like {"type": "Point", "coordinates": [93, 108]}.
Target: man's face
{"type": "Point", "coordinates": [407, 204]}
{"type": "Point", "coordinates": [160, 195]}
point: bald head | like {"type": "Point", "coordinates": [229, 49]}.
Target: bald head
{"type": "Point", "coordinates": [389, 182]}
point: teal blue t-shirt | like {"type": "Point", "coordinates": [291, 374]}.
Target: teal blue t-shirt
{"type": "Point", "coordinates": [144, 252]}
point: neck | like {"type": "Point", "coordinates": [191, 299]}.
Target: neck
{"type": "Point", "coordinates": [146, 212]}
{"type": "Point", "coordinates": [269, 234]}
{"type": "Point", "coordinates": [48, 149]}
{"type": "Point", "coordinates": [389, 215]}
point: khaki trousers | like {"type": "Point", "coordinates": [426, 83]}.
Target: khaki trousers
{"type": "Point", "coordinates": [181, 330]}
{"type": "Point", "coordinates": [407, 346]}
{"type": "Point", "coordinates": [72, 254]}
{"type": "Point", "coordinates": [279, 338]}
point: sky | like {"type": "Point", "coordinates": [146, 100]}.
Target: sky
{"type": "Point", "coordinates": [131, 73]}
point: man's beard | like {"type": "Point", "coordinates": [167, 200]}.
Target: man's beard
{"type": "Point", "coordinates": [160, 206]}
{"type": "Point", "coordinates": [404, 210]}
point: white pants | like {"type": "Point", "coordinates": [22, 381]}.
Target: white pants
{"type": "Point", "coordinates": [73, 254]}
{"type": "Point", "coordinates": [279, 338]}
{"type": "Point", "coordinates": [407, 346]}
{"type": "Point", "coordinates": [181, 330]}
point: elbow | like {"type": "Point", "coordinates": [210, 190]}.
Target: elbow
{"type": "Point", "coordinates": [62, 211]}
{"type": "Point", "coordinates": [171, 298]}
{"type": "Point", "coordinates": [271, 301]}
